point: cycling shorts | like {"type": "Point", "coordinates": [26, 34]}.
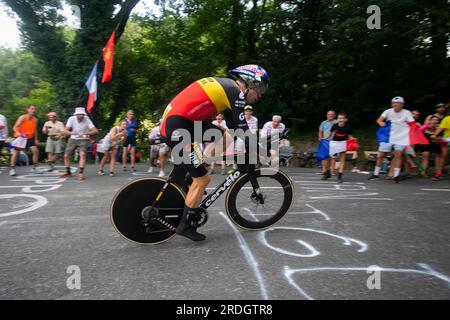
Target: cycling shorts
{"type": "Point", "coordinates": [177, 128]}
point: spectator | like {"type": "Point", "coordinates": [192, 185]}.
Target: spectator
{"type": "Point", "coordinates": [441, 110]}
{"type": "Point", "coordinates": [79, 127]}
{"type": "Point", "coordinates": [398, 136]}
{"type": "Point", "coordinates": [3, 131]}
{"type": "Point", "coordinates": [429, 130]}
{"type": "Point", "coordinates": [252, 121]}
{"type": "Point", "coordinates": [130, 143]}
{"type": "Point", "coordinates": [340, 131]}
{"type": "Point", "coordinates": [54, 129]}
{"type": "Point", "coordinates": [157, 150]}
{"type": "Point", "coordinates": [324, 130]}
{"type": "Point", "coordinates": [274, 126]}
{"type": "Point", "coordinates": [26, 126]}
{"type": "Point", "coordinates": [416, 115]}
{"type": "Point", "coordinates": [221, 123]}
{"type": "Point", "coordinates": [111, 142]}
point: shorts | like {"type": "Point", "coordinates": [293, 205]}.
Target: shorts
{"type": "Point", "coordinates": [2, 144]}
{"type": "Point", "coordinates": [74, 143]}
{"type": "Point", "coordinates": [53, 146]}
{"type": "Point", "coordinates": [389, 147]}
{"type": "Point", "coordinates": [31, 143]}
{"type": "Point", "coordinates": [131, 141]}
{"type": "Point", "coordinates": [431, 148]}
{"type": "Point", "coordinates": [156, 150]}
{"type": "Point", "coordinates": [109, 148]}
{"type": "Point", "coordinates": [190, 156]}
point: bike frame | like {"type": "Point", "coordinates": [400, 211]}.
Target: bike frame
{"type": "Point", "coordinates": [218, 191]}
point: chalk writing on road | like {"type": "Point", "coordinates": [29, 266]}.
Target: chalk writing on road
{"type": "Point", "coordinates": [306, 250]}
{"type": "Point", "coordinates": [425, 270]}
{"type": "Point", "coordinates": [18, 203]}
{"type": "Point", "coordinates": [322, 190]}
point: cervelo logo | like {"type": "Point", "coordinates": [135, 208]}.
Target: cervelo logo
{"type": "Point", "coordinates": [224, 187]}
{"type": "Point", "coordinates": [253, 68]}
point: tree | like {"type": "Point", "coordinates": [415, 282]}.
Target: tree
{"type": "Point", "coordinates": [68, 63]}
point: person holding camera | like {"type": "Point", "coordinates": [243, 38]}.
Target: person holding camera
{"type": "Point", "coordinates": [111, 143]}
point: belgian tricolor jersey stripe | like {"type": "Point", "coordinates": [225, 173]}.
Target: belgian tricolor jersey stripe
{"type": "Point", "coordinates": [203, 99]}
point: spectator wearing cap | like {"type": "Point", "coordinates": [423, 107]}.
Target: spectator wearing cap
{"type": "Point", "coordinates": [26, 126]}
{"type": "Point", "coordinates": [444, 126]}
{"type": "Point", "coordinates": [324, 131]}
{"type": "Point", "coordinates": [274, 126]}
{"type": "Point", "coordinates": [441, 110]}
{"type": "Point", "coordinates": [398, 136]}
{"type": "Point", "coordinates": [79, 127]}
{"type": "Point", "coordinates": [54, 129]}
{"type": "Point", "coordinates": [252, 121]}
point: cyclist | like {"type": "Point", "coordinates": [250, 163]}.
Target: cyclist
{"type": "Point", "coordinates": [202, 101]}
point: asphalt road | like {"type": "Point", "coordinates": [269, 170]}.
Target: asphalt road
{"type": "Point", "coordinates": [360, 240]}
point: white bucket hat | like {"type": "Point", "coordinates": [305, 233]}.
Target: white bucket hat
{"type": "Point", "coordinates": [80, 111]}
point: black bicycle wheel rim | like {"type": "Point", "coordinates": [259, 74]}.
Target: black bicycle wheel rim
{"type": "Point", "coordinates": [234, 212]}
{"type": "Point", "coordinates": [129, 201]}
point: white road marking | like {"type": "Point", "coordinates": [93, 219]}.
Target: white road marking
{"type": "Point", "coordinates": [315, 210]}
{"type": "Point", "coordinates": [440, 190]}
{"type": "Point", "coordinates": [249, 257]}
{"type": "Point", "coordinates": [323, 214]}
{"type": "Point", "coordinates": [56, 219]}
{"type": "Point", "coordinates": [428, 271]}
{"type": "Point", "coordinates": [313, 252]}
{"type": "Point", "coordinates": [39, 202]}
{"type": "Point", "coordinates": [35, 189]}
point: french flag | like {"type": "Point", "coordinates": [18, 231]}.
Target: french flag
{"type": "Point", "coordinates": [329, 148]}
{"type": "Point", "coordinates": [91, 85]}
{"type": "Point", "coordinates": [410, 135]}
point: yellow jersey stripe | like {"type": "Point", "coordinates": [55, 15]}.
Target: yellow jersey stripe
{"type": "Point", "coordinates": [216, 93]}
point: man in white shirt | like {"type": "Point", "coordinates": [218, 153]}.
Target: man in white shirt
{"type": "Point", "coordinates": [3, 131]}
{"type": "Point", "coordinates": [398, 136]}
{"type": "Point", "coordinates": [79, 127]}
{"type": "Point", "coordinates": [274, 126]}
